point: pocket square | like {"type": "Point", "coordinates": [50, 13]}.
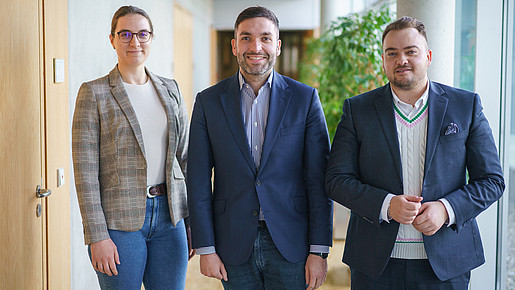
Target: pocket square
{"type": "Point", "coordinates": [452, 128]}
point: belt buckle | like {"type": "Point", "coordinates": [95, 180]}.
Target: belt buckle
{"type": "Point", "coordinates": [148, 192]}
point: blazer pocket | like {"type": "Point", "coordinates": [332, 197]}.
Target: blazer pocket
{"type": "Point", "coordinates": [219, 206]}
{"type": "Point", "coordinates": [292, 130]}
{"type": "Point", "coordinates": [300, 203]}
{"type": "Point", "coordinates": [453, 137]}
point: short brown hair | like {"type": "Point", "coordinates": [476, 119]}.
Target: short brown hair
{"type": "Point", "coordinates": [126, 10]}
{"type": "Point", "coordinates": [254, 12]}
{"type": "Point", "coordinates": [406, 22]}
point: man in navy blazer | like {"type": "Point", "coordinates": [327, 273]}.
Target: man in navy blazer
{"type": "Point", "coordinates": [399, 162]}
{"type": "Point", "coordinates": [265, 220]}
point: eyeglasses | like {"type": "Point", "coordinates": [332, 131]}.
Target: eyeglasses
{"type": "Point", "coordinates": [126, 36]}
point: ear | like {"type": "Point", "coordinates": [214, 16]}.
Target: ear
{"type": "Point", "coordinates": [111, 39]}
{"type": "Point", "coordinates": [233, 45]}
{"type": "Point", "coordinates": [279, 47]}
{"type": "Point", "coordinates": [382, 62]}
{"type": "Point", "coordinates": [429, 56]}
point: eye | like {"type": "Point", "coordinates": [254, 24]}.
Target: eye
{"type": "Point", "coordinates": [391, 54]}
{"type": "Point", "coordinates": [266, 38]}
{"type": "Point", "coordinates": [245, 38]}
{"type": "Point", "coordinates": [412, 52]}
{"type": "Point", "coordinates": [144, 34]}
{"type": "Point", "coordinates": [125, 34]}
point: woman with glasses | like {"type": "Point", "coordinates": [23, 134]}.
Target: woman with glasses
{"type": "Point", "coordinates": [130, 136]}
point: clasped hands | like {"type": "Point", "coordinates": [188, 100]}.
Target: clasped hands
{"type": "Point", "coordinates": [427, 217]}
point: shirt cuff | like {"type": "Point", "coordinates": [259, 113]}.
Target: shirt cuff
{"type": "Point", "coordinates": [319, 249]}
{"type": "Point", "coordinates": [450, 212]}
{"type": "Point", "coordinates": [383, 216]}
{"type": "Point", "coordinates": [205, 250]}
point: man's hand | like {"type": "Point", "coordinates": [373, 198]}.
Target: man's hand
{"type": "Point", "coordinates": [316, 271]}
{"type": "Point", "coordinates": [405, 208]}
{"type": "Point", "coordinates": [432, 216]}
{"type": "Point", "coordinates": [104, 257]}
{"type": "Point", "coordinates": [212, 266]}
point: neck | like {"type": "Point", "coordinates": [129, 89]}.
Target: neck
{"type": "Point", "coordinates": [412, 95]}
{"type": "Point", "coordinates": [133, 75]}
{"type": "Point", "coordinates": [255, 81]}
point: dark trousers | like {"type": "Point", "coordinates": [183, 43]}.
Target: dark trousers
{"type": "Point", "coordinates": [409, 275]}
{"type": "Point", "coordinates": [266, 269]}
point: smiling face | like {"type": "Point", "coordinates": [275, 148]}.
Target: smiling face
{"type": "Point", "coordinates": [406, 59]}
{"type": "Point", "coordinates": [133, 53]}
{"type": "Point", "coordinates": [256, 46]}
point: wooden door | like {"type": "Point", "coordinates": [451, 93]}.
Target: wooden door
{"type": "Point", "coordinates": [183, 53]}
{"type": "Point", "coordinates": [21, 158]}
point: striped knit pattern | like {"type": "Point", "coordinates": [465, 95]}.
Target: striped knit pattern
{"type": "Point", "coordinates": [412, 133]}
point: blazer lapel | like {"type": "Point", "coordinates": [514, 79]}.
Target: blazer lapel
{"type": "Point", "coordinates": [231, 105]}
{"type": "Point", "coordinates": [119, 93]}
{"type": "Point", "coordinates": [437, 107]}
{"type": "Point", "coordinates": [384, 108]}
{"type": "Point", "coordinates": [280, 98]}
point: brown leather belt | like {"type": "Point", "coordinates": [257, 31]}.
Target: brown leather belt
{"type": "Point", "coordinates": [156, 190]}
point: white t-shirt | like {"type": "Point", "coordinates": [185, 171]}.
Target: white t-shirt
{"type": "Point", "coordinates": [153, 122]}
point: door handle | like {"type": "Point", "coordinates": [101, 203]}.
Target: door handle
{"type": "Point", "coordinates": [42, 192]}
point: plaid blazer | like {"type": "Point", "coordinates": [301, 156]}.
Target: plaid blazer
{"type": "Point", "coordinates": [109, 156]}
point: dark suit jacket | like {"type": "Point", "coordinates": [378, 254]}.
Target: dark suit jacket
{"type": "Point", "coordinates": [289, 185]}
{"type": "Point", "coordinates": [365, 166]}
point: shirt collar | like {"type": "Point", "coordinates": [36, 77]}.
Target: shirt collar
{"type": "Point", "coordinates": [242, 80]}
{"type": "Point", "coordinates": [418, 104]}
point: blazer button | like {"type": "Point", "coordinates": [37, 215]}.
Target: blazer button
{"type": "Point", "coordinates": [258, 183]}
{"type": "Point", "coordinates": [255, 213]}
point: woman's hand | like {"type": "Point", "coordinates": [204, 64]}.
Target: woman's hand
{"type": "Point", "coordinates": [104, 257]}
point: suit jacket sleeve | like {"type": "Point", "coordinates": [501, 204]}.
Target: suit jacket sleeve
{"type": "Point", "coordinates": [315, 158]}
{"type": "Point", "coordinates": [343, 181]}
{"type": "Point", "coordinates": [199, 180]}
{"type": "Point", "coordinates": [85, 152]}
{"type": "Point", "coordinates": [486, 183]}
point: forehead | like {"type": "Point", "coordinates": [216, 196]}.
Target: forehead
{"type": "Point", "coordinates": [132, 22]}
{"type": "Point", "coordinates": [257, 25]}
{"type": "Point", "coordinates": [399, 39]}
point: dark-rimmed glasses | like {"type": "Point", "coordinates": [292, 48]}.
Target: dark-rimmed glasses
{"type": "Point", "coordinates": [126, 36]}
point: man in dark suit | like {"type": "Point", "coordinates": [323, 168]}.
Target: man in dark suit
{"type": "Point", "coordinates": [399, 161]}
{"type": "Point", "coordinates": [267, 221]}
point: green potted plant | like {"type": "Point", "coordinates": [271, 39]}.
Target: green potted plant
{"type": "Point", "coordinates": [346, 60]}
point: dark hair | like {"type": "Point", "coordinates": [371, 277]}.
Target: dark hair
{"type": "Point", "coordinates": [406, 22]}
{"type": "Point", "coordinates": [254, 12]}
{"type": "Point", "coordinates": [126, 10]}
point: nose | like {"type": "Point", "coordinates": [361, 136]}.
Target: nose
{"type": "Point", "coordinates": [134, 41]}
{"type": "Point", "coordinates": [255, 45]}
{"type": "Point", "coordinates": [402, 60]}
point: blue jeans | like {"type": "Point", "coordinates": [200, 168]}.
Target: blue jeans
{"type": "Point", "coordinates": [156, 255]}
{"type": "Point", "coordinates": [266, 268]}
{"type": "Point", "coordinates": [407, 274]}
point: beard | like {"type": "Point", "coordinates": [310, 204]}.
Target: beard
{"type": "Point", "coordinates": [255, 69]}
{"type": "Point", "coordinates": [409, 82]}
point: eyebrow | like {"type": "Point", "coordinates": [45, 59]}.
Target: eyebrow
{"type": "Point", "coordinates": [407, 47]}
{"type": "Point", "coordinates": [248, 33]}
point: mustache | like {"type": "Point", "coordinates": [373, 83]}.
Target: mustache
{"type": "Point", "coordinates": [403, 67]}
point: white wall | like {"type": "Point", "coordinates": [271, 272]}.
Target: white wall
{"type": "Point", "coordinates": [91, 56]}
{"type": "Point", "coordinates": [292, 14]}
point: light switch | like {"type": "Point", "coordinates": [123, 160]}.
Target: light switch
{"type": "Point", "coordinates": [58, 70]}
{"type": "Point", "coordinates": [60, 177]}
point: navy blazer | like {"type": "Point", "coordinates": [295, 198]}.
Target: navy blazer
{"type": "Point", "coordinates": [288, 185]}
{"type": "Point", "coordinates": [365, 165]}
